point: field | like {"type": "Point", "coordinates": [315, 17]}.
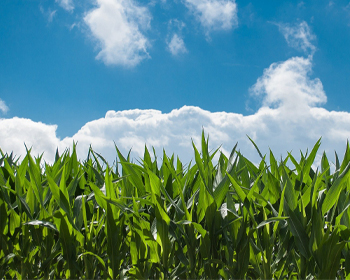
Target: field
{"type": "Point", "coordinates": [157, 218]}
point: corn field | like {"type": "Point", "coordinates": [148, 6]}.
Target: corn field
{"type": "Point", "coordinates": [161, 219]}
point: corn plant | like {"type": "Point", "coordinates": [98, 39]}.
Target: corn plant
{"type": "Point", "coordinates": [162, 219]}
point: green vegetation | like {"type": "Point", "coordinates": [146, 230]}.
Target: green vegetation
{"type": "Point", "coordinates": [232, 220]}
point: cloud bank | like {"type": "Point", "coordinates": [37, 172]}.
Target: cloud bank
{"type": "Point", "coordinates": [116, 27]}
{"type": "Point", "coordinates": [19, 131]}
{"type": "Point", "coordinates": [288, 119]}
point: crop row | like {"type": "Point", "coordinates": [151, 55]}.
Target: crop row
{"type": "Point", "coordinates": [161, 219]}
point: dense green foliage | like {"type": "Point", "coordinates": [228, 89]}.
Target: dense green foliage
{"type": "Point", "coordinates": [232, 220]}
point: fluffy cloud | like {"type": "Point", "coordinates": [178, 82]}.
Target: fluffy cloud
{"type": "Point", "coordinates": [16, 132]}
{"type": "Point", "coordinates": [116, 26]}
{"type": "Point", "coordinates": [3, 107]}
{"type": "Point", "coordinates": [288, 119]}
{"type": "Point", "coordinates": [66, 4]}
{"type": "Point", "coordinates": [298, 36]}
{"type": "Point", "coordinates": [214, 14]}
{"type": "Point", "coordinates": [288, 86]}
{"type": "Point", "coordinates": [176, 45]}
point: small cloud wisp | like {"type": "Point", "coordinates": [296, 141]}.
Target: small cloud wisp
{"type": "Point", "coordinates": [299, 36]}
{"type": "Point", "coordinates": [66, 4]}
{"type": "Point", "coordinates": [176, 45]}
{"type": "Point", "coordinates": [214, 14]}
{"type": "Point", "coordinates": [3, 107]}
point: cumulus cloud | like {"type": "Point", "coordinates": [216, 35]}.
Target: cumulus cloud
{"type": "Point", "coordinates": [298, 36]}
{"type": "Point", "coordinates": [287, 85]}
{"type": "Point", "coordinates": [176, 45]}
{"type": "Point", "coordinates": [16, 132]}
{"type": "Point", "coordinates": [288, 119]}
{"type": "Point", "coordinates": [290, 116]}
{"type": "Point", "coordinates": [116, 26]}
{"type": "Point", "coordinates": [66, 4]}
{"type": "Point", "coordinates": [214, 14]}
{"type": "Point", "coordinates": [3, 107]}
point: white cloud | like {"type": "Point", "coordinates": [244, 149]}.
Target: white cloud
{"type": "Point", "coordinates": [66, 4]}
{"type": "Point", "coordinates": [3, 107]}
{"type": "Point", "coordinates": [176, 45]}
{"type": "Point", "coordinates": [214, 14]}
{"type": "Point", "coordinates": [17, 131]}
{"type": "Point", "coordinates": [116, 24]}
{"type": "Point", "coordinates": [288, 85]}
{"type": "Point", "coordinates": [287, 120]}
{"type": "Point", "coordinates": [301, 4]}
{"type": "Point", "coordinates": [298, 36]}
{"type": "Point", "coordinates": [48, 14]}
{"type": "Point", "coordinates": [51, 15]}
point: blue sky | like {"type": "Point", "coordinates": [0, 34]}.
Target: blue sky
{"type": "Point", "coordinates": [73, 70]}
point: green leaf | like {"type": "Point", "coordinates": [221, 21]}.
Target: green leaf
{"type": "Point", "coordinates": [92, 254]}
{"type": "Point", "coordinates": [98, 194]}
{"type": "Point", "coordinates": [271, 220]}
{"type": "Point", "coordinates": [113, 243]}
{"type": "Point", "coordinates": [346, 159]}
{"type": "Point", "coordinates": [60, 195]}
{"type": "Point", "coordinates": [238, 189]}
{"type": "Point", "coordinates": [298, 231]}
{"type": "Point", "coordinates": [256, 147]}
{"type": "Point", "coordinates": [332, 248]}
{"type": "Point", "coordinates": [200, 165]}
{"type": "Point", "coordinates": [334, 191]}
{"type": "Point", "coordinates": [67, 242]}
{"type": "Point", "coordinates": [35, 178]}
{"type": "Point", "coordinates": [311, 158]}
{"type": "Point", "coordinates": [133, 170]}
{"type": "Point", "coordinates": [290, 196]}
{"type": "Point", "coordinates": [46, 224]}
